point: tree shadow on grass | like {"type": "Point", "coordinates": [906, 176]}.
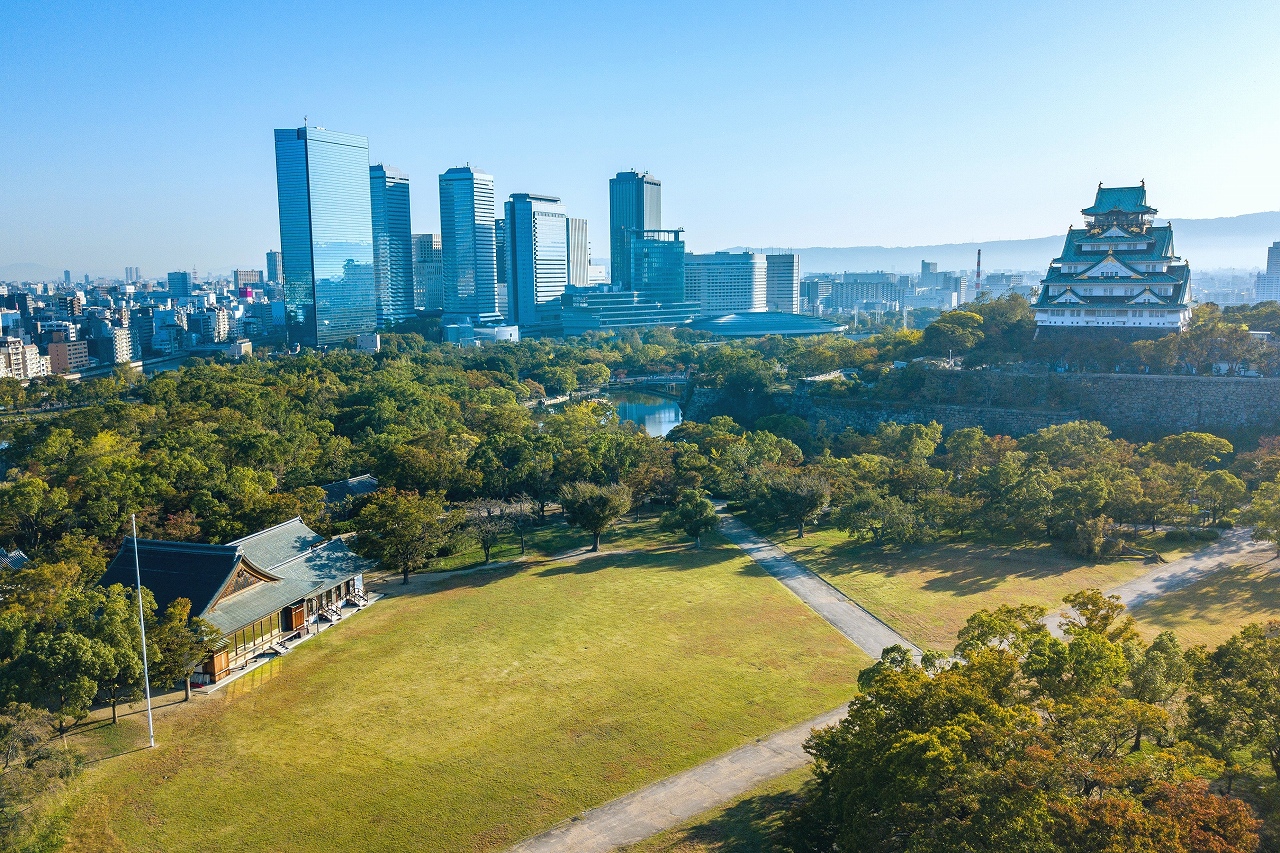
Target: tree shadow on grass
{"type": "Point", "coordinates": [1247, 589]}
{"type": "Point", "coordinates": [749, 826]}
{"type": "Point", "coordinates": [671, 557]}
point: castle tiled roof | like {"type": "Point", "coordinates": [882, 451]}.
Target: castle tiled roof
{"type": "Point", "coordinates": [1132, 200]}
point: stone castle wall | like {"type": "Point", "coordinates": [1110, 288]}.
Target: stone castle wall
{"type": "Point", "coordinates": [1135, 407]}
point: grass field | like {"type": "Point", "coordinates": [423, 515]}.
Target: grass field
{"type": "Point", "coordinates": [745, 825]}
{"type": "Point", "coordinates": [1213, 609]}
{"type": "Point", "coordinates": [926, 592]}
{"type": "Point", "coordinates": [464, 713]}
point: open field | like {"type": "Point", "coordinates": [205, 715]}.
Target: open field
{"type": "Point", "coordinates": [463, 713]}
{"type": "Point", "coordinates": [925, 592]}
{"type": "Point", "coordinates": [1216, 607]}
{"type": "Point", "coordinates": [743, 826]}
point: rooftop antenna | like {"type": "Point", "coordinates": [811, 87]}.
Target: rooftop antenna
{"type": "Point", "coordinates": [304, 121]}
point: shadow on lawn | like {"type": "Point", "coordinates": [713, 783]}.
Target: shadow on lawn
{"type": "Point", "coordinates": [670, 557]}
{"type": "Point", "coordinates": [1245, 588]}
{"type": "Point", "coordinates": [750, 826]}
{"type": "Point", "coordinates": [962, 568]}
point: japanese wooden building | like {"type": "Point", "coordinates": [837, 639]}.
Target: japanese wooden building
{"type": "Point", "coordinates": [257, 591]}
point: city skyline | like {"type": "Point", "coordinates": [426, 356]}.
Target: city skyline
{"type": "Point", "coordinates": [903, 127]}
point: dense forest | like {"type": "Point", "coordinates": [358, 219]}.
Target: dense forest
{"type": "Point", "coordinates": [464, 456]}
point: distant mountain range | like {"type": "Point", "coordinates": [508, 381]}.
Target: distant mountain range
{"type": "Point", "coordinates": [1229, 242]}
{"type": "Point", "coordinates": [1238, 242]}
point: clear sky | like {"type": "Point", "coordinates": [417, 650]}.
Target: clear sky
{"type": "Point", "coordinates": [141, 133]}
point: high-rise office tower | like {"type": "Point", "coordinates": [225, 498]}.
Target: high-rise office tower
{"type": "Point", "coordinates": [635, 204]}
{"type": "Point", "coordinates": [726, 282]}
{"type": "Point", "coordinates": [500, 255]}
{"type": "Point", "coordinates": [428, 273]}
{"type": "Point", "coordinates": [782, 283]}
{"type": "Point", "coordinates": [469, 255]}
{"type": "Point", "coordinates": [179, 283]}
{"type": "Point", "coordinates": [537, 258]}
{"type": "Point", "coordinates": [1267, 288]}
{"type": "Point", "coordinates": [657, 265]}
{"type": "Point", "coordinates": [392, 244]}
{"type": "Point", "coordinates": [131, 275]}
{"type": "Point", "coordinates": [326, 235]}
{"type": "Point", "coordinates": [579, 252]}
{"type": "Point", "coordinates": [273, 267]}
{"type": "Point", "coordinates": [66, 277]}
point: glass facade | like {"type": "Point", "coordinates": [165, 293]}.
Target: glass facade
{"type": "Point", "coordinates": [392, 244]}
{"type": "Point", "coordinates": [326, 235]}
{"type": "Point", "coordinates": [635, 204]}
{"type": "Point", "coordinates": [428, 275]}
{"type": "Point", "coordinates": [537, 238]}
{"type": "Point", "coordinates": [657, 264]}
{"type": "Point", "coordinates": [468, 249]}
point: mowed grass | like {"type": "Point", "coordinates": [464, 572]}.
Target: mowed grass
{"type": "Point", "coordinates": [926, 592]}
{"type": "Point", "coordinates": [1211, 610]}
{"type": "Point", "coordinates": [748, 824]}
{"type": "Point", "coordinates": [464, 713]}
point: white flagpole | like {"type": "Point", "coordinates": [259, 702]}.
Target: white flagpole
{"type": "Point", "coordinates": [142, 625]}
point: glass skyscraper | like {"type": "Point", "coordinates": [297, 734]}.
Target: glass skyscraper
{"type": "Point", "coordinates": [657, 264]}
{"type": "Point", "coordinates": [428, 275]}
{"type": "Point", "coordinates": [537, 240]}
{"type": "Point", "coordinates": [635, 204]}
{"type": "Point", "coordinates": [392, 244]}
{"type": "Point", "coordinates": [326, 235]}
{"type": "Point", "coordinates": [468, 252]}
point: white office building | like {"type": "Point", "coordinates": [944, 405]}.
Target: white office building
{"type": "Point", "coordinates": [782, 283]}
{"type": "Point", "coordinates": [726, 282]}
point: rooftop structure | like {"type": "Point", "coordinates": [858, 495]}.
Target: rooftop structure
{"type": "Point", "coordinates": [758, 324]}
{"type": "Point", "coordinates": [608, 307]}
{"type": "Point", "coordinates": [1118, 272]}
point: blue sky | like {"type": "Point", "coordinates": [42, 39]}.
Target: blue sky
{"type": "Point", "coordinates": [141, 134]}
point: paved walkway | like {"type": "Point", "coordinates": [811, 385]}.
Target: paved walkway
{"type": "Point", "coordinates": [1235, 547]}
{"type": "Point", "coordinates": [863, 630]}
{"type": "Point", "coordinates": [674, 800]}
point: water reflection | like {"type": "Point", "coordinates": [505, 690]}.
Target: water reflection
{"type": "Point", "coordinates": [658, 415]}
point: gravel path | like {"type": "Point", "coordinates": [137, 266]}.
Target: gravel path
{"type": "Point", "coordinates": [1236, 546]}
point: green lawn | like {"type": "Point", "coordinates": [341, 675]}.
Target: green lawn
{"type": "Point", "coordinates": [926, 592]}
{"type": "Point", "coordinates": [1216, 607]}
{"type": "Point", "coordinates": [746, 825]}
{"type": "Point", "coordinates": [464, 713]}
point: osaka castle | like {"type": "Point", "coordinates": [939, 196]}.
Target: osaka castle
{"type": "Point", "coordinates": [1118, 273]}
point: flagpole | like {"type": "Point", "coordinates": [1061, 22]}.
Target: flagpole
{"type": "Point", "coordinates": [142, 625]}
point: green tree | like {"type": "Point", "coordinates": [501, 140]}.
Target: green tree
{"type": "Point", "coordinates": [1235, 697]}
{"type": "Point", "coordinates": [594, 508]}
{"type": "Point", "coordinates": [1264, 513]}
{"type": "Point", "coordinates": [117, 628]}
{"type": "Point", "coordinates": [406, 531]}
{"type": "Point", "coordinates": [1220, 492]}
{"type": "Point", "coordinates": [692, 515]}
{"type": "Point", "coordinates": [181, 643]}
{"type": "Point", "coordinates": [797, 497]}
{"type": "Point", "coordinates": [1156, 673]}
{"type": "Point", "coordinates": [487, 521]}
{"type": "Point", "coordinates": [1197, 449]}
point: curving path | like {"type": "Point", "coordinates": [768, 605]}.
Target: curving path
{"type": "Point", "coordinates": [1235, 546]}
{"type": "Point", "coordinates": [672, 801]}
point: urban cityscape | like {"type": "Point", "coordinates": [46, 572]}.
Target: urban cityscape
{"type": "Point", "coordinates": [682, 429]}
